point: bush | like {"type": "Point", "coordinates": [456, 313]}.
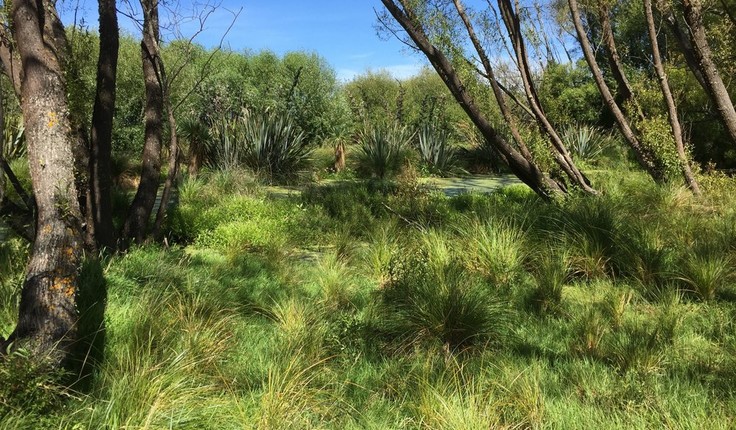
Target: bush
{"type": "Point", "coordinates": [275, 147]}
{"type": "Point", "coordinates": [383, 151]}
{"type": "Point", "coordinates": [584, 141]}
{"type": "Point", "coordinates": [29, 385]}
{"type": "Point", "coordinates": [435, 149]}
{"type": "Point", "coordinates": [267, 143]}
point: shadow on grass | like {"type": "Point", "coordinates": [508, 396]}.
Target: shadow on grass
{"type": "Point", "coordinates": [91, 301]}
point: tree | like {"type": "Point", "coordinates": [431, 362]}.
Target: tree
{"type": "Point", "coordinates": [135, 227]}
{"type": "Point", "coordinates": [100, 179]}
{"type": "Point", "coordinates": [695, 47]}
{"type": "Point", "coordinates": [647, 160]}
{"type": "Point", "coordinates": [669, 101]}
{"type": "Point", "coordinates": [559, 151]}
{"type": "Point", "coordinates": [405, 13]}
{"type": "Point", "coordinates": [47, 321]}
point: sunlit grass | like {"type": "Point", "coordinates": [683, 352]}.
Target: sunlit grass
{"type": "Point", "coordinates": [387, 306]}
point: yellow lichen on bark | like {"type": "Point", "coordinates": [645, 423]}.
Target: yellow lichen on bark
{"type": "Point", "coordinates": [53, 120]}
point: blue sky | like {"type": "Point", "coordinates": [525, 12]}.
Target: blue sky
{"type": "Point", "coordinates": [341, 31]}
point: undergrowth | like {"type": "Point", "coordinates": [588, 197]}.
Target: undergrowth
{"type": "Point", "coordinates": [387, 305]}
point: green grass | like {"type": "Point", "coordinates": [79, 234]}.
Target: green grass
{"type": "Point", "coordinates": [386, 305]}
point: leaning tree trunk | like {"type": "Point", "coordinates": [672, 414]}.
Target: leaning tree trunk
{"type": "Point", "coordinates": [712, 81]}
{"type": "Point", "coordinates": [100, 178]}
{"type": "Point", "coordinates": [495, 86]}
{"type": "Point", "coordinates": [526, 170]}
{"type": "Point", "coordinates": [624, 93]}
{"type": "Point", "coordinates": [645, 158]}
{"type": "Point", "coordinates": [136, 224]}
{"type": "Point", "coordinates": [47, 322]}
{"type": "Point", "coordinates": [669, 101]}
{"type": "Point", "coordinates": [559, 150]}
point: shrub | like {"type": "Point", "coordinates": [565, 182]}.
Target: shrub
{"type": "Point", "coordinates": [590, 228]}
{"type": "Point", "coordinates": [435, 149]}
{"type": "Point", "coordinates": [706, 275]}
{"type": "Point", "coordinates": [29, 385]}
{"type": "Point", "coordinates": [267, 143]}
{"type": "Point", "coordinates": [495, 249]}
{"type": "Point", "coordinates": [383, 150]}
{"type": "Point", "coordinates": [275, 147]}
{"type": "Point", "coordinates": [550, 272]}
{"type": "Point", "coordinates": [584, 141]}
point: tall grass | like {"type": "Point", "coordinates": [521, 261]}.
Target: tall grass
{"type": "Point", "coordinates": [497, 249]}
{"type": "Point", "coordinates": [367, 305]}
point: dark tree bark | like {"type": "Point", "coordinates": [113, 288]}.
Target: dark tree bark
{"type": "Point", "coordinates": [10, 61]}
{"type": "Point", "coordinates": [646, 160]}
{"type": "Point", "coordinates": [524, 169]}
{"type": "Point", "coordinates": [669, 101]}
{"type": "Point", "coordinates": [47, 322]}
{"type": "Point", "coordinates": [100, 202]}
{"type": "Point", "coordinates": [136, 224]}
{"type": "Point", "coordinates": [173, 165]}
{"type": "Point", "coordinates": [624, 92]}
{"type": "Point", "coordinates": [696, 49]}
{"type": "Point", "coordinates": [559, 150]}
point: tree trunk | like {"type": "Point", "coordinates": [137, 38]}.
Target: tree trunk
{"type": "Point", "coordinates": [713, 84]}
{"type": "Point", "coordinates": [646, 160]}
{"type": "Point", "coordinates": [100, 203]}
{"type": "Point", "coordinates": [195, 159]}
{"type": "Point", "coordinates": [47, 322]}
{"type": "Point", "coordinates": [624, 93]}
{"type": "Point", "coordinates": [173, 167]}
{"type": "Point", "coordinates": [669, 101]}
{"type": "Point", "coordinates": [339, 164]}
{"type": "Point", "coordinates": [559, 151]}
{"type": "Point", "coordinates": [136, 224]}
{"type": "Point", "coordinates": [10, 62]}
{"type": "Point", "coordinates": [524, 169]}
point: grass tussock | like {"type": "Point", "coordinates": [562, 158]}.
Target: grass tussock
{"type": "Point", "coordinates": [384, 304]}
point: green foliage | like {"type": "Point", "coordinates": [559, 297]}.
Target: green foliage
{"type": "Point", "coordinates": [267, 143]}
{"type": "Point", "coordinates": [374, 99]}
{"type": "Point", "coordinates": [657, 138]}
{"type": "Point", "coordinates": [569, 95]}
{"type": "Point", "coordinates": [590, 230]}
{"type": "Point", "coordinates": [128, 129]}
{"type": "Point", "coordinates": [435, 149]}
{"type": "Point", "coordinates": [383, 150]}
{"type": "Point", "coordinates": [299, 85]}
{"type": "Point", "coordinates": [30, 385]}
{"type": "Point", "coordinates": [584, 141]}
{"type": "Point", "coordinates": [706, 275]}
{"type": "Point", "coordinates": [13, 139]}
{"type": "Point", "coordinates": [274, 147]}
{"type": "Point", "coordinates": [550, 273]}
{"type": "Point", "coordinates": [431, 298]}
{"type": "Point", "coordinates": [495, 249]}
{"type": "Point", "coordinates": [387, 305]}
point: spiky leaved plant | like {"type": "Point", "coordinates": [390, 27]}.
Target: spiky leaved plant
{"type": "Point", "coordinates": [435, 149]}
{"type": "Point", "coordinates": [275, 147]}
{"type": "Point", "coordinates": [382, 150]}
